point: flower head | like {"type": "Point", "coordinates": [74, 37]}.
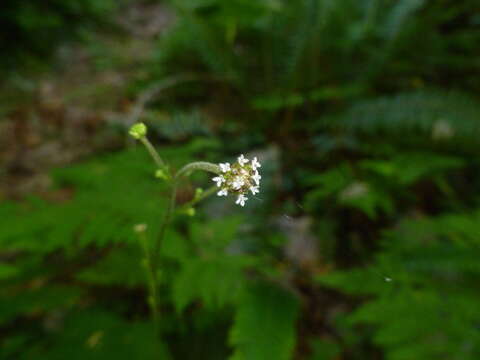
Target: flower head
{"type": "Point", "coordinates": [239, 178]}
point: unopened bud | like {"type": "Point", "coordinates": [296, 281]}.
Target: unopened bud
{"type": "Point", "coordinates": [161, 174]}
{"type": "Point", "coordinates": [140, 228]}
{"type": "Point", "coordinates": [198, 193]}
{"type": "Point", "coordinates": [138, 130]}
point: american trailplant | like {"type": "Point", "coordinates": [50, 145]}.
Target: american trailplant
{"type": "Point", "coordinates": [238, 178]}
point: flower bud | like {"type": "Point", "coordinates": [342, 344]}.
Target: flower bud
{"type": "Point", "coordinates": [198, 193]}
{"type": "Point", "coordinates": [140, 228]}
{"type": "Point", "coordinates": [138, 130]}
{"type": "Point", "coordinates": [161, 174]}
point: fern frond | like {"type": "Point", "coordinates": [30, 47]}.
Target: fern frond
{"type": "Point", "coordinates": [112, 194]}
{"type": "Point", "coordinates": [435, 114]}
{"type": "Point", "coordinates": [400, 12]}
{"type": "Point", "coordinates": [428, 307]}
{"type": "Point", "coordinates": [216, 282]}
{"type": "Point", "coordinates": [179, 125]}
{"type": "Point", "coordinates": [264, 325]}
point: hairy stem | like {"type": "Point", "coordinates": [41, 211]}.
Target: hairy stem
{"type": "Point", "coordinates": [204, 195]}
{"type": "Point", "coordinates": [163, 227]}
{"type": "Point", "coordinates": [153, 153]}
{"type": "Point", "coordinates": [152, 282]}
{"type": "Point", "coordinates": [199, 165]}
{"type": "Point", "coordinates": [153, 254]}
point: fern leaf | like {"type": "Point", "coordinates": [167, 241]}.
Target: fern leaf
{"type": "Point", "coordinates": [264, 325]}
{"type": "Point", "coordinates": [217, 282]}
{"type": "Point", "coordinates": [436, 114]}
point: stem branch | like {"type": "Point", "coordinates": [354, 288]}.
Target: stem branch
{"type": "Point", "coordinates": [153, 254]}
{"type": "Point", "coordinates": [205, 194]}
{"type": "Point", "coordinates": [153, 153]}
{"type": "Point", "coordinates": [198, 165]}
{"type": "Point", "coordinates": [152, 282]}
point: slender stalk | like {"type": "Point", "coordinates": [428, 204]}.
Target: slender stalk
{"type": "Point", "coordinates": [153, 254]}
{"type": "Point", "coordinates": [153, 153]}
{"type": "Point", "coordinates": [163, 228]}
{"type": "Point", "coordinates": [151, 278]}
{"type": "Point", "coordinates": [204, 195]}
{"type": "Point", "coordinates": [198, 165]}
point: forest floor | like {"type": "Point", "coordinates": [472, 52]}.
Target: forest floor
{"type": "Point", "coordinates": [77, 106]}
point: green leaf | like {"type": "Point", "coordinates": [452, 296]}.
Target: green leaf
{"type": "Point", "coordinates": [99, 335]}
{"type": "Point", "coordinates": [407, 168]}
{"type": "Point", "coordinates": [217, 282]}
{"type": "Point", "coordinates": [324, 350]}
{"type": "Point", "coordinates": [119, 267]}
{"type": "Point", "coordinates": [7, 271]}
{"type": "Point", "coordinates": [265, 323]}
{"type": "Point", "coordinates": [36, 301]}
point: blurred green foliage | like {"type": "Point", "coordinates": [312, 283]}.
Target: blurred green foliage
{"type": "Point", "coordinates": [371, 109]}
{"type": "Point", "coordinates": [31, 30]}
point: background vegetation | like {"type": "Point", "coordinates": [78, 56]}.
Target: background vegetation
{"type": "Point", "coordinates": [364, 241]}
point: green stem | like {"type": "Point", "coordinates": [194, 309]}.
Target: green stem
{"type": "Point", "coordinates": [199, 165]}
{"type": "Point", "coordinates": [153, 255]}
{"type": "Point", "coordinates": [151, 278]}
{"type": "Point", "coordinates": [204, 195]}
{"type": "Point", "coordinates": [163, 226]}
{"type": "Point", "coordinates": [153, 260]}
{"type": "Point", "coordinates": [153, 153]}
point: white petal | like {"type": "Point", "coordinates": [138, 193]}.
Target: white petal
{"type": "Point", "coordinates": [256, 177]}
{"type": "Point", "coordinates": [255, 164]}
{"type": "Point", "coordinates": [237, 183]}
{"type": "Point", "coordinates": [241, 200]}
{"type": "Point", "coordinates": [242, 160]}
{"type": "Point", "coordinates": [219, 180]}
{"type": "Point", "coordinates": [222, 192]}
{"type": "Point", "coordinates": [225, 167]}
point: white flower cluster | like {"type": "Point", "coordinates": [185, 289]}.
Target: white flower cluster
{"type": "Point", "coordinates": [239, 178]}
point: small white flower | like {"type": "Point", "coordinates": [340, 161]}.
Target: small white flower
{"type": "Point", "coordinates": [242, 160]}
{"type": "Point", "coordinates": [219, 180]}
{"type": "Point", "coordinates": [238, 183]}
{"type": "Point", "coordinates": [223, 192]}
{"type": "Point", "coordinates": [255, 164]}
{"type": "Point", "coordinates": [239, 179]}
{"type": "Point", "coordinates": [225, 167]}
{"type": "Point", "coordinates": [241, 200]}
{"type": "Point", "coordinates": [256, 178]}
